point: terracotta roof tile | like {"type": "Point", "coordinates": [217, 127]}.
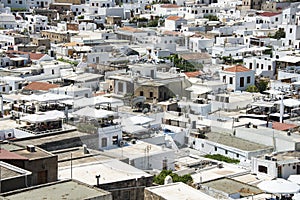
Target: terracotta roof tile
{"type": "Point", "coordinates": [174, 18]}
{"type": "Point", "coordinates": [36, 56]}
{"type": "Point", "coordinates": [237, 68]}
{"type": "Point", "coordinates": [169, 6]}
{"type": "Point", "coordinates": [35, 86]}
{"type": "Point", "coordinates": [282, 126]}
{"type": "Point", "coordinates": [192, 74]}
{"type": "Point", "coordinates": [33, 56]}
{"type": "Point", "coordinates": [7, 155]}
{"type": "Point", "coordinates": [131, 29]}
{"type": "Point", "coordinates": [268, 14]}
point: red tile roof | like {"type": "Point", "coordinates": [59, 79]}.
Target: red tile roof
{"type": "Point", "coordinates": [282, 126]}
{"type": "Point", "coordinates": [169, 6]}
{"type": "Point", "coordinates": [35, 86]}
{"type": "Point", "coordinates": [268, 14]}
{"type": "Point", "coordinates": [7, 155]}
{"type": "Point", "coordinates": [174, 18]}
{"type": "Point", "coordinates": [33, 56]}
{"type": "Point", "coordinates": [192, 74]}
{"type": "Point", "coordinates": [237, 68]}
{"type": "Point", "coordinates": [36, 56]}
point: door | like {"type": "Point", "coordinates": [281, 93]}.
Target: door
{"type": "Point", "coordinates": [42, 177]}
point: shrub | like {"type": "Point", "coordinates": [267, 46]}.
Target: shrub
{"type": "Point", "coordinates": [160, 178]}
{"type": "Point", "coordinates": [220, 157]}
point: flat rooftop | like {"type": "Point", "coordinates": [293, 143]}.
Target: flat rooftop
{"type": "Point", "coordinates": [178, 190]}
{"type": "Point", "coordinates": [231, 186]}
{"type": "Point", "coordinates": [110, 171]}
{"type": "Point", "coordinates": [216, 173]}
{"type": "Point", "coordinates": [283, 157]}
{"type": "Point", "coordinates": [79, 157]}
{"type": "Point", "coordinates": [39, 153]}
{"type": "Point", "coordinates": [10, 171]}
{"type": "Point", "coordinates": [133, 151]}
{"type": "Point", "coordinates": [10, 124]}
{"type": "Point", "coordinates": [229, 140]}
{"type": "Point", "coordinates": [51, 138]}
{"type": "Point", "coordinates": [58, 190]}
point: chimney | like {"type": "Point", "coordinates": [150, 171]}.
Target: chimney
{"type": "Point", "coordinates": [30, 148]}
{"type": "Point", "coordinates": [1, 106]}
{"type": "Point", "coordinates": [281, 109]}
{"type": "Point", "coordinates": [85, 150]}
{"type": "Point", "coordinates": [98, 177]}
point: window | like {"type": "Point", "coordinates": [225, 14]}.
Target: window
{"type": "Point", "coordinates": [151, 94]}
{"type": "Point", "coordinates": [52, 71]}
{"type": "Point", "coordinates": [261, 66]}
{"type": "Point", "coordinates": [8, 1]}
{"type": "Point", "coordinates": [250, 65]}
{"type": "Point", "coordinates": [237, 155]}
{"type": "Point", "coordinates": [224, 79]}
{"type": "Point", "coordinates": [216, 149]}
{"type": "Point", "coordinates": [276, 19]}
{"type": "Point", "coordinates": [257, 65]}
{"type": "Point", "coordinates": [291, 30]}
{"type": "Point", "coordinates": [230, 80]}
{"type": "Point", "coordinates": [120, 87]}
{"type": "Point", "coordinates": [202, 145]}
{"type": "Point", "coordinates": [226, 152]}
{"type": "Point", "coordinates": [104, 142]}
{"type": "Point", "coordinates": [141, 93]}
{"type": "Point", "coordinates": [3, 89]}
{"type": "Point", "coordinates": [242, 82]}
{"type": "Point", "coordinates": [269, 67]}
{"type": "Point", "coordinates": [248, 79]}
{"type": "Point", "coordinates": [262, 169]}
{"type": "Point", "coordinates": [115, 140]}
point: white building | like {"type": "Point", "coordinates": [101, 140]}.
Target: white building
{"type": "Point", "coordinates": [173, 191]}
{"type": "Point", "coordinates": [200, 44]}
{"type": "Point", "coordinates": [268, 20]}
{"type": "Point", "coordinates": [36, 23]}
{"type": "Point", "coordinates": [229, 146]}
{"type": "Point", "coordinates": [173, 23]}
{"type": "Point", "coordinates": [276, 165]}
{"type": "Point", "coordinates": [143, 155]}
{"type": "Point", "coordinates": [262, 65]}
{"type": "Point", "coordinates": [200, 11]}
{"type": "Point", "coordinates": [164, 9]}
{"type": "Point", "coordinates": [7, 21]}
{"type": "Point", "coordinates": [73, 90]}
{"type": "Point", "coordinates": [237, 77]}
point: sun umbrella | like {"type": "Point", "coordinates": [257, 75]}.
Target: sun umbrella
{"type": "Point", "coordinates": [294, 179]}
{"type": "Point", "coordinates": [296, 196]}
{"type": "Point", "coordinates": [279, 186]}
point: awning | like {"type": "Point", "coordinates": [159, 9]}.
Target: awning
{"type": "Point", "coordinates": [48, 116]}
{"type": "Point", "coordinates": [294, 179]}
{"type": "Point", "coordinates": [94, 113]}
{"type": "Point", "coordinates": [279, 186]}
{"type": "Point", "coordinates": [140, 120]}
{"type": "Point", "coordinates": [289, 59]}
{"type": "Point", "coordinates": [18, 59]}
{"type": "Point", "coordinates": [289, 102]}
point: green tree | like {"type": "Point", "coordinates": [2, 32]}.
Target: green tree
{"type": "Point", "coordinates": [252, 88]}
{"type": "Point", "coordinates": [279, 34]}
{"type": "Point", "coordinates": [212, 18]}
{"type": "Point", "coordinates": [160, 178]}
{"type": "Point", "coordinates": [262, 85]}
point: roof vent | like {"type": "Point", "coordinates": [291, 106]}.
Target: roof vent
{"type": "Point", "coordinates": [31, 148]}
